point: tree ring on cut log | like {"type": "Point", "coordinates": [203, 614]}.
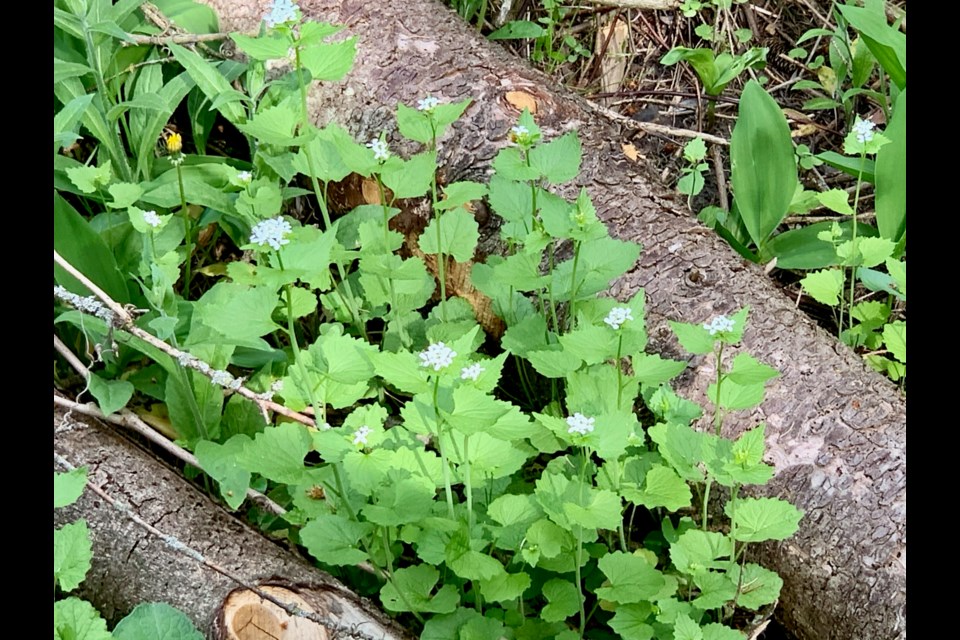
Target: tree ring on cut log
{"type": "Point", "coordinates": [245, 615]}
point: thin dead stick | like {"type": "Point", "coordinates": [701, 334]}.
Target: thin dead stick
{"type": "Point", "coordinates": [125, 320]}
{"type": "Point", "coordinates": [180, 38]}
{"type": "Point", "coordinates": [652, 5]}
{"type": "Point", "coordinates": [174, 543]}
{"type": "Point", "coordinates": [656, 128]}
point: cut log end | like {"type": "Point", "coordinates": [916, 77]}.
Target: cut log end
{"type": "Point", "coordinates": [245, 615]}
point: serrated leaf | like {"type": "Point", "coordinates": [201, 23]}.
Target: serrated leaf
{"type": "Point", "coordinates": [76, 619]}
{"type": "Point", "coordinates": [459, 233]}
{"type": "Point", "coordinates": [760, 519]}
{"type": "Point", "coordinates": [632, 578]}
{"type": "Point", "coordinates": [333, 539]}
{"type": "Point", "coordinates": [693, 337]}
{"type": "Point", "coordinates": [698, 551]}
{"type": "Point", "coordinates": [664, 488]}
{"type": "Point", "coordinates": [505, 587]}
{"type": "Point", "coordinates": [468, 563]}
{"type": "Point", "coordinates": [277, 453]}
{"type": "Point", "coordinates": [68, 487]}
{"type": "Point", "coordinates": [461, 193]}
{"type": "Point", "coordinates": [559, 160]}
{"type": "Point", "coordinates": [416, 583]}
{"type": "Point", "coordinates": [156, 621]}
{"type": "Point", "coordinates": [631, 620]}
{"type": "Point", "coordinates": [895, 339]}
{"type": "Point", "coordinates": [757, 586]}
{"type": "Point", "coordinates": [111, 395]}
{"type": "Point", "coordinates": [269, 46]}
{"type": "Point", "coordinates": [274, 125]}
{"type": "Point", "coordinates": [72, 551]}
{"type": "Point", "coordinates": [239, 312]}
{"type": "Point", "coordinates": [824, 286]}
{"type": "Point", "coordinates": [836, 200]}
{"type": "Point", "coordinates": [220, 462]}
{"type": "Point", "coordinates": [563, 600]}
{"type": "Point", "coordinates": [410, 178]}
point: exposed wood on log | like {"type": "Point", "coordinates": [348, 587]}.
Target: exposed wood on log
{"type": "Point", "coordinates": [836, 430]}
{"type": "Point", "coordinates": [131, 565]}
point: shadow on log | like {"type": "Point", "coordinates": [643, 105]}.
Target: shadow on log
{"type": "Point", "coordinates": [131, 565]}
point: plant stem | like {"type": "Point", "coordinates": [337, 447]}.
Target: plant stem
{"type": "Point", "coordinates": [443, 454]}
{"type": "Point", "coordinates": [187, 231]}
{"type": "Point", "coordinates": [579, 578]}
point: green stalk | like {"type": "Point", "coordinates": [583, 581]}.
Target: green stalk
{"type": "Point", "coordinates": [115, 145]}
{"type": "Point", "coordinates": [187, 230]}
{"type": "Point", "coordinates": [443, 454]}
{"type": "Point", "coordinates": [619, 370]}
{"type": "Point", "coordinates": [469, 483]}
{"type": "Point", "coordinates": [441, 261]}
{"type": "Point", "coordinates": [575, 287]}
{"type": "Point", "coordinates": [853, 237]}
{"type": "Point", "coordinates": [579, 578]}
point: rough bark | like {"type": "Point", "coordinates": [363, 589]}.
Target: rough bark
{"type": "Point", "coordinates": [131, 565]}
{"type": "Point", "coordinates": [836, 430]}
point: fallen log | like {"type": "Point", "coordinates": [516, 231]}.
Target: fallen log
{"type": "Point", "coordinates": [836, 431]}
{"type": "Point", "coordinates": [244, 587]}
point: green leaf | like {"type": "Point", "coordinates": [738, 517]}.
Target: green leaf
{"type": "Point", "coordinates": [274, 125]}
{"type": "Point", "coordinates": [891, 178]}
{"type": "Point", "coordinates": [746, 369]}
{"type": "Point", "coordinates": [717, 631]}
{"type": "Point", "coordinates": [836, 200]}
{"type": "Point", "coordinates": [72, 551]}
{"type": "Point", "coordinates": [693, 337]}
{"type": "Point", "coordinates": [413, 124]}
{"type": "Point", "coordinates": [329, 62]}
{"type": "Point", "coordinates": [686, 629]}
{"type": "Point", "coordinates": [595, 509]}
{"type": "Point", "coordinates": [664, 488]}
{"type": "Point", "coordinates": [761, 519]}
{"type": "Point", "coordinates": [309, 256]}
{"type": "Point", "coordinates": [517, 29]}
{"type": "Point", "coordinates": [239, 312]}
{"type": "Point", "coordinates": [887, 44]}
{"type": "Point", "coordinates": [824, 286]}
{"type": "Point", "coordinates": [270, 46]}
{"type": "Point", "coordinates": [411, 178]}
{"type": "Point", "coordinates": [156, 621]}
{"type": "Point", "coordinates": [553, 363]}
{"type": "Point", "coordinates": [459, 194]}
{"type": "Point", "coordinates": [763, 165]}
{"type": "Point", "coordinates": [698, 551]}
{"type": "Point", "coordinates": [68, 487]}
{"type": "Point", "coordinates": [459, 233]}
{"type": "Point", "coordinates": [333, 539]}
{"type": "Point", "coordinates": [467, 562]}
{"type": "Point", "coordinates": [211, 82]}
{"type": "Point", "coordinates": [559, 160]}
{"type": "Point", "coordinates": [76, 619]}
{"type": "Point", "coordinates": [653, 370]}
{"type": "Point", "coordinates": [632, 578]}
{"type": "Point", "coordinates": [895, 339]}
{"type": "Point", "coordinates": [410, 588]}
{"type": "Point", "coordinates": [278, 453]}
{"type": "Point", "coordinates": [78, 244]}
{"type": "Point", "coordinates": [111, 395]}
{"type": "Point", "coordinates": [505, 587]}
{"type": "Point", "coordinates": [563, 598]}
{"type": "Point", "coordinates": [757, 586]}
{"type": "Point", "coordinates": [630, 621]}
{"type": "Point", "coordinates": [220, 462]}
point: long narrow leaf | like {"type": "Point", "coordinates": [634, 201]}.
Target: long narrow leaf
{"type": "Point", "coordinates": [892, 175]}
{"type": "Point", "coordinates": [763, 166]}
{"type": "Point", "coordinates": [210, 81]}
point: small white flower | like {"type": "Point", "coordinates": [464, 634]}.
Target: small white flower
{"type": "Point", "coordinates": [360, 435]}
{"type": "Point", "coordinates": [271, 232]}
{"type": "Point", "coordinates": [519, 131]}
{"type": "Point", "coordinates": [472, 372]}
{"type": "Point", "coordinates": [864, 130]}
{"type": "Point", "coordinates": [245, 177]}
{"type": "Point", "coordinates": [580, 423]}
{"type": "Point", "coordinates": [718, 324]}
{"type": "Point", "coordinates": [380, 150]}
{"type": "Point", "coordinates": [151, 218]}
{"type": "Point", "coordinates": [617, 316]}
{"type": "Point", "coordinates": [281, 12]}
{"type": "Point", "coordinates": [438, 356]}
{"type": "Point", "coordinates": [221, 378]}
{"type": "Point", "coordinates": [428, 104]}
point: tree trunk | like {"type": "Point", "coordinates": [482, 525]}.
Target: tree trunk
{"type": "Point", "coordinates": [836, 431]}
{"type": "Point", "coordinates": [131, 565]}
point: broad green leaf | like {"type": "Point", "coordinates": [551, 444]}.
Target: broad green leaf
{"type": "Point", "coordinates": [274, 125]}
{"type": "Point", "coordinates": [309, 256]}
{"type": "Point", "coordinates": [65, 129]}
{"type": "Point", "coordinates": [509, 164]}
{"type": "Point", "coordinates": [459, 233]}
{"type": "Point", "coordinates": [681, 447]}
{"type": "Point", "coordinates": [664, 488]}
{"type": "Point", "coordinates": [632, 578]}
{"type": "Point", "coordinates": [277, 453]}
{"type": "Point", "coordinates": [410, 178]}
{"type": "Point", "coordinates": [111, 395]}
{"type": "Point", "coordinates": [156, 621]}
{"type": "Point", "coordinates": [270, 46]}
{"type": "Point", "coordinates": [746, 369]}
{"type": "Point", "coordinates": [836, 200]}
{"type": "Point", "coordinates": [76, 619]}
{"type": "Point", "coordinates": [468, 562]}
{"type": "Point", "coordinates": [333, 539]}
{"type": "Point", "coordinates": [220, 462]}
{"type": "Point", "coordinates": [83, 248]}
{"type": "Point", "coordinates": [651, 369]}
{"type": "Point", "coordinates": [630, 621]}
{"type": "Point", "coordinates": [329, 62]}
{"type": "Point", "coordinates": [72, 551]}
{"type": "Point", "coordinates": [763, 165]}
{"type": "Point", "coordinates": [410, 588]}
{"type": "Point", "coordinates": [505, 587]}
{"type": "Point", "coordinates": [559, 160]}
{"type": "Point", "coordinates": [824, 286]}
{"type": "Point", "coordinates": [761, 519]}
{"type": "Point", "coordinates": [895, 339]}
{"type": "Point", "coordinates": [891, 179]}
{"type": "Point", "coordinates": [460, 194]}
{"type": "Point", "coordinates": [596, 509]}
{"type": "Point", "coordinates": [887, 44]}
{"type": "Point", "coordinates": [686, 629]}
{"type": "Point", "coordinates": [463, 624]}
{"type": "Point", "coordinates": [563, 598]}
{"type": "Point", "coordinates": [717, 631]}
{"type": "Point", "coordinates": [210, 81]}
{"type": "Point", "coordinates": [698, 551]}
{"type": "Point", "coordinates": [67, 487]}
{"type": "Point", "coordinates": [239, 312]}
{"type": "Point", "coordinates": [414, 124]}
{"type": "Point", "coordinates": [553, 363]}
{"type": "Point", "coordinates": [517, 29]}
{"type": "Point", "coordinates": [757, 586]}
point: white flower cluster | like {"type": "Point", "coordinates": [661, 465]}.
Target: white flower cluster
{"type": "Point", "coordinates": [282, 11]}
{"type": "Point", "coordinates": [472, 372]}
{"type": "Point", "coordinates": [245, 177]}
{"type": "Point", "coordinates": [428, 104]}
{"type": "Point", "coordinates": [617, 316]}
{"type": "Point", "coordinates": [380, 150]}
{"type": "Point", "coordinates": [360, 435]}
{"type": "Point", "coordinates": [864, 130]}
{"type": "Point", "coordinates": [519, 131]}
{"type": "Point", "coordinates": [718, 324]}
{"type": "Point", "coordinates": [271, 232]}
{"type": "Point", "coordinates": [580, 423]}
{"type": "Point", "coordinates": [438, 356]}
{"type": "Point", "coordinates": [88, 305]}
{"type": "Point", "coordinates": [151, 218]}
